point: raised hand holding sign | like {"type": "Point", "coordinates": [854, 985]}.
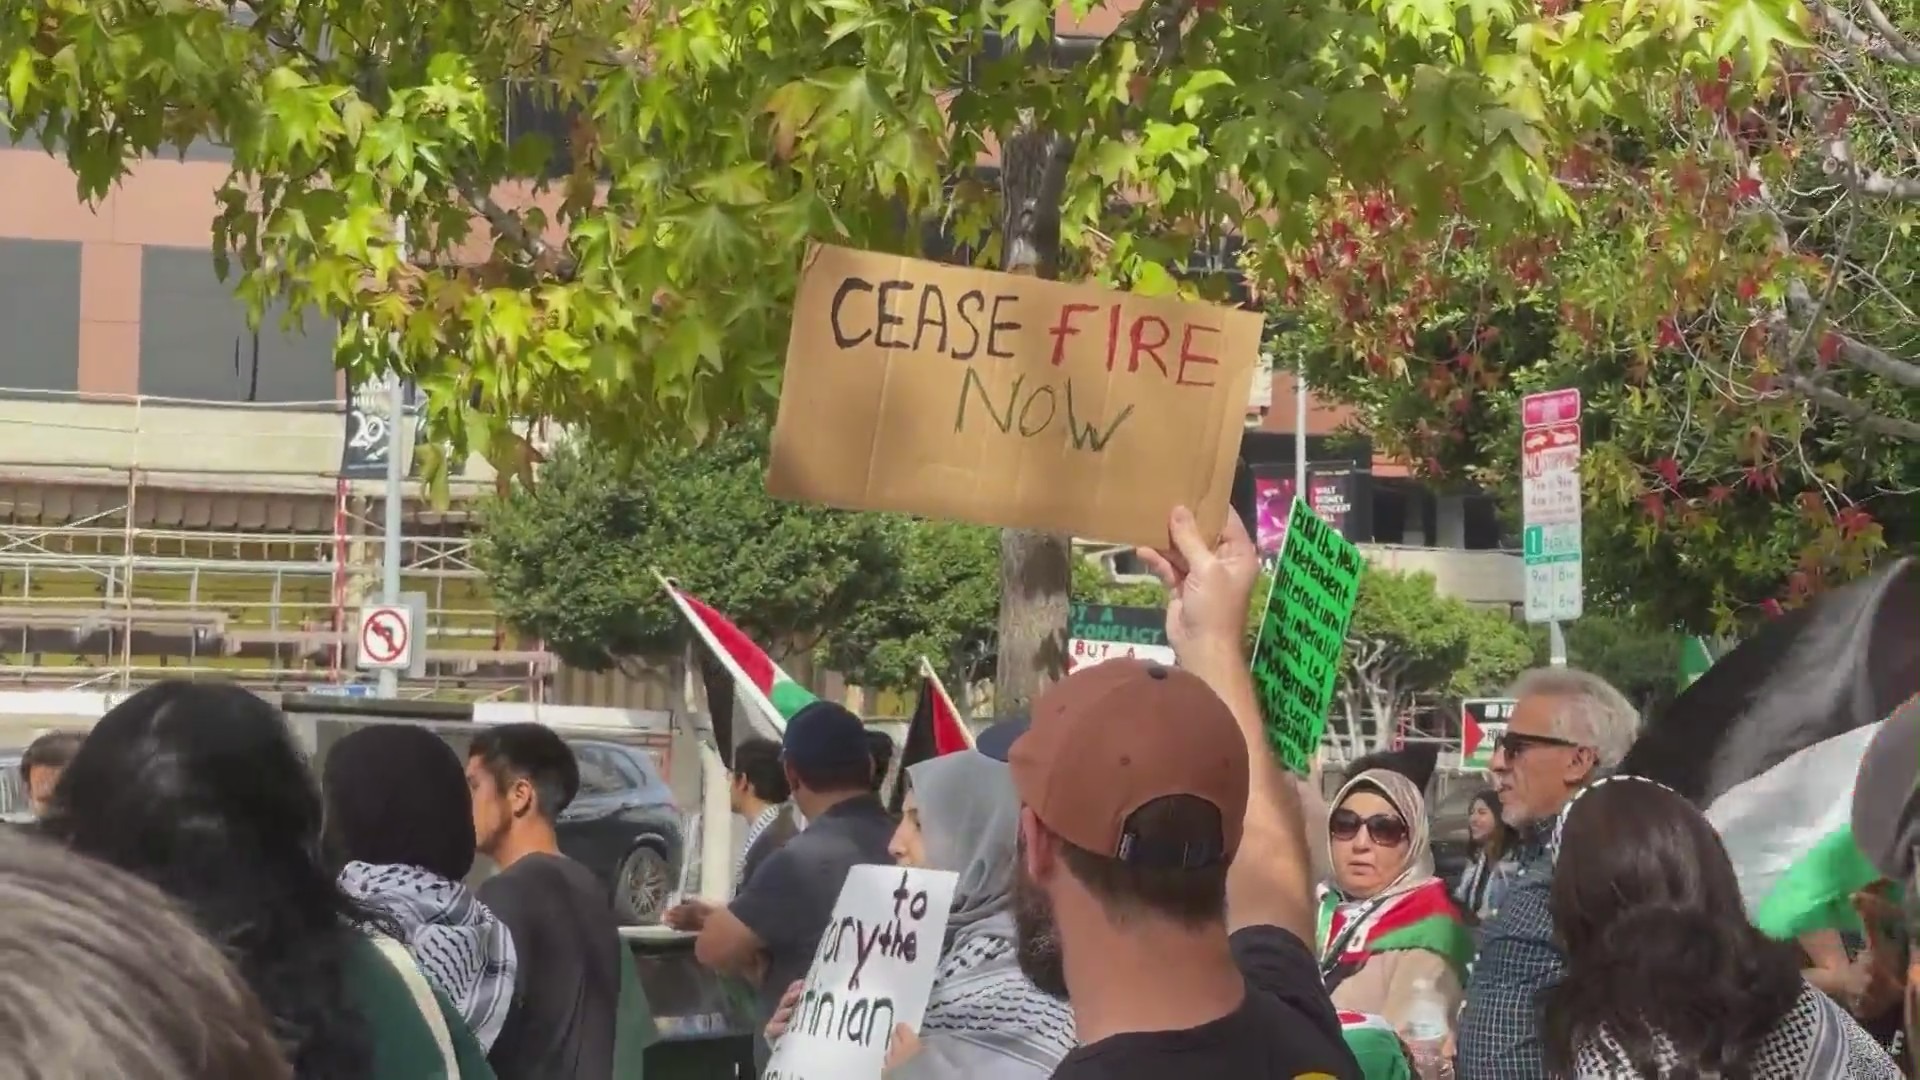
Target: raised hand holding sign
{"type": "Point", "coordinates": [872, 974]}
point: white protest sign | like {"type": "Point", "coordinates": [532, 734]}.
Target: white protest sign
{"type": "Point", "coordinates": [874, 969]}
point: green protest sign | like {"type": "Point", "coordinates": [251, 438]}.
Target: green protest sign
{"type": "Point", "coordinates": [1296, 659]}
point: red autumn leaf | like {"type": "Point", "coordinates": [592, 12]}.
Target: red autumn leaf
{"type": "Point", "coordinates": [1668, 470]}
{"type": "Point", "coordinates": [1830, 344]}
{"type": "Point", "coordinates": [1771, 608]}
{"type": "Point", "coordinates": [1669, 334]}
{"type": "Point", "coordinates": [1746, 189]}
{"type": "Point", "coordinates": [1718, 494]}
{"type": "Point", "coordinates": [1654, 507]}
{"type": "Point", "coordinates": [1748, 289]}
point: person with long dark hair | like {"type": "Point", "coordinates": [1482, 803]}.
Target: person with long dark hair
{"type": "Point", "coordinates": [199, 789]}
{"type": "Point", "coordinates": [1495, 847]}
{"type": "Point", "coordinates": [1666, 979]}
{"type": "Point", "coordinates": [400, 827]}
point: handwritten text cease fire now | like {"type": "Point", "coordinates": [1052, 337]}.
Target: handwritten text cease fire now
{"type": "Point", "coordinates": [908, 316]}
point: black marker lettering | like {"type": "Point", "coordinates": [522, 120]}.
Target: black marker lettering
{"type": "Point", "coordinates": [887, 317]}
{"type": "Point", "coordinates": [968, 319]}
{"type": "Point", "coordinates": [847, 287]}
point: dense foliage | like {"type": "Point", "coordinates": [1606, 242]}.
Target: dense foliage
{"type": "Point", "coordinates": [1736, 300]}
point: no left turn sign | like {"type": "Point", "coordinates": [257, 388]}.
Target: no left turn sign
{"type": "Point", "coordinates": [386, 638]}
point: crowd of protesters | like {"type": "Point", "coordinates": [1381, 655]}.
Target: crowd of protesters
{"type": "Point", "coordinates": [1141, 892]}
{"type": "Point", "coordinates": [312, 927]}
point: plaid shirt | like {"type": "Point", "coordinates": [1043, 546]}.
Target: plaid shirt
{"type": "Point", "coordinates": [1499, 1036]}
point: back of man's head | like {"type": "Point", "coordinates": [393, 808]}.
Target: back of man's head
{"type": "Point", "coordinates": [756, 762]}
{"type": "Point", "coordinates": [530, 752]}
{"type": "Point", "coordinates": [105, 977]}
{"type": "Point", "coordinates": [826, 751]}
{"type": "Point", "coordinates": [46, 757]}
{"type": "Point", "coordinates": [1137, 775]}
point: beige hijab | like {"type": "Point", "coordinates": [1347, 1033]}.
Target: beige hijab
{"type": "Point", "coordinates": [1412, 806]}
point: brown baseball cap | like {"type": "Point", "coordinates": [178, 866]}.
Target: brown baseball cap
{"type": "Point", "coordinates": [1109, 739]}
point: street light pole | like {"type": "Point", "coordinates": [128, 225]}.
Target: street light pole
{"type": "Point", "coordinates": [396, 480]}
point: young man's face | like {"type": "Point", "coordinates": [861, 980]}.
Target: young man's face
{"type": "Point", "coordinates": [41, 780]}
{"type": "Point", "coordinates": [492, 813]}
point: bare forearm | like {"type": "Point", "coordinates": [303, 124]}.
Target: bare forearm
{"type": "Point", "coordinates": [1271, 880]}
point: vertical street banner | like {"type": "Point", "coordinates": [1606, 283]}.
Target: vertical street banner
{"type": "Point", "coordinates": [1550, 505]}
{"type": "Point", "coordinates": [1333, 490]}
{"type": "Point", "coordinates": [874, 969]}
{"type": "Point", "coordinates": [1097, 633]}
{"type": "Point", "coordinates": [1303, 635]}
{"type": "Point", "coordinates": [363, 452]}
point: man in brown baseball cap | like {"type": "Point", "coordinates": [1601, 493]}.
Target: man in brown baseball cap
{"type": "Point", "coordinates": [1164, 885]}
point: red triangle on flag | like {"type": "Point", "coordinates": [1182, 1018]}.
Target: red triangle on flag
{"type": "Point", "coordinates": [1470, 734]}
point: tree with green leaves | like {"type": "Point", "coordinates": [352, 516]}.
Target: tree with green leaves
{"type": "Point", "coordinates": [1736, 301]}
{"type": "Point", "coordinates": [639, 284]}
{"type": "Point", "coordinates": [1407, 641]}
{"type": "Point", "coordinates": [573, 557]}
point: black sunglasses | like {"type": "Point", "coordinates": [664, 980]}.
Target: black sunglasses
{"type": "Point", "coordinates": [1513, 743]}
{"type": "Point", "coordinates": [1385, 829]}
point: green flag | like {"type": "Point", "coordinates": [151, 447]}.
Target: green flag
{"type": "Point", "coordinates": [1695, 659]}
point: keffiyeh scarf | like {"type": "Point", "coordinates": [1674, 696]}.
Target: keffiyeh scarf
{"type": "Point", "coordinates": [980, 996]}
{"type": "Point", "coordinates": [460, 946]}
{"type": "Point", "coordinates": [760, 824]}
{"type": "Point", "coordinates": [1816, 1040]}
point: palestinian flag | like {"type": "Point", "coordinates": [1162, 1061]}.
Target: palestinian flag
{"type": "Point", "coordinates": [759, 678]}
{"type": "Point", "coordinates": [1769, 742]}
{"type": "Point", "coordinates": [1695, 659]}
{"type": "Point", "coordinates": [1375, 1046]}
{"type": "Point", "coordinates": [1422, 918]}
{"type": "Point", "coordinates": [935, 730]}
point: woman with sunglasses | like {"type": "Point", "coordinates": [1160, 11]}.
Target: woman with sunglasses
{"type": "Point", "coordinates": [1389, 937]}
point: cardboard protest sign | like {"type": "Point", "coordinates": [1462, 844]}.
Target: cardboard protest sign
{"type": "Point", "coordinates": [874, 969]}
{"type": "Point", "coordinates": [1004, 400]}
{"type": "Point", "coordinates": [1296, 659]}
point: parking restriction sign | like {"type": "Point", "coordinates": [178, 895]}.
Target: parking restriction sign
{"type": "Point", "coordinates": [386, 638]}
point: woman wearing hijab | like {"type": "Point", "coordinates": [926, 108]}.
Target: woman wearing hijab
{"type": "Point", "coordinates": [1493, 868]}
{"type": "Point", "coordinates": [984, 1020]}
{"type": "Point", "coordinates": [1388, 933]}
{"type": "Point", "coordinates": [400, 819]}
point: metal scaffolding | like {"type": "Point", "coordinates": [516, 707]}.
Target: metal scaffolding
{"type": "Point", "coordinates": [125, 594]}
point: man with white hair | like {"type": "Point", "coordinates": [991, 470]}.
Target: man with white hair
{"type": "Point", "coordinates": [1568, 729]}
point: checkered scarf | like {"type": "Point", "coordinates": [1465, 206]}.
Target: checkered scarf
{"type": "Point", "coordinates": [461, 947]}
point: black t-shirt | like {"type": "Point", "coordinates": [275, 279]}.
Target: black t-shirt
{"type": "Point", "coordinates": [1285, 1030]}
{"type": "Point", "coordinates": [790, 897]}
{"type": "Point", "coordinates": [567, 989]}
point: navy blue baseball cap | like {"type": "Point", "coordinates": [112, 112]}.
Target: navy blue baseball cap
{"type": "Point", "coordinates": [997, 740]}
{"type": "Point", "coordinates": [824, 735]}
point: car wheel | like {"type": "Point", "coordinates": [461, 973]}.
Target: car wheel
{"type": "Point", "coordinates": [640, 890]}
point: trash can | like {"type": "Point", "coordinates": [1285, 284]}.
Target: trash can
{"type": "Point", "coordinates": [707, 1022]}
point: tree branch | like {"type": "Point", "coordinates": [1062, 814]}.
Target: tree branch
{"type": "Point", "coordinates": [1860, 413]}
{"type": "Point", "coordinates": [1900, 43]}
{"type": "Point", "coordinates": [1891, 46]}
{"type": "Point", "coordinates": [511, 227]}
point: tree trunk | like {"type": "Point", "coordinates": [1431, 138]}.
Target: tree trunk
{"type": "Point", "coordinates": [1035, 568]}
